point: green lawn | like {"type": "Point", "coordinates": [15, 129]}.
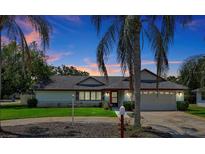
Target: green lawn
{"type": "Point", "coordinates": [20, 112]}
{"type": "Point", "coordinates": [196, 110]}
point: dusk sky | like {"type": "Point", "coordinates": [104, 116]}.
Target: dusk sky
{"type": "Point", "coordinates": [74, 41]}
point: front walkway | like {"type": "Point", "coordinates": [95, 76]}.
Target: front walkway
{"type": "Point", "coordinates": [17, 122]}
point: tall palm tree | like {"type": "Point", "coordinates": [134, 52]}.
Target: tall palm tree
{"type": "Point", "coordinates": [128, 33]}
{"type": "Point", "coordinates": [12, 29]}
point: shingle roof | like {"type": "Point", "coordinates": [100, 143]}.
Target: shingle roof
{"type": "Point", "coordinates": [148, 81]}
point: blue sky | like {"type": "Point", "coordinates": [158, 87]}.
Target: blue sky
{"type": "Point", "coordinates": [74, 41]}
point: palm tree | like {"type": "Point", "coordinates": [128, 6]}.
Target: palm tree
{"type": "Point", "coordinates": [10, 27]}
{"type": "Point", "coordinates": [128, 33]}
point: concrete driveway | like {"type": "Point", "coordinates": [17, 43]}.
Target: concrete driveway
{"type": "Point", "coordinates": [179, 124]}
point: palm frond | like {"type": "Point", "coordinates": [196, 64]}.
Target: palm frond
{"type": "Point", "coordinates": [104, 48]}
{"type": "Point", "coordinates": [41, 26]}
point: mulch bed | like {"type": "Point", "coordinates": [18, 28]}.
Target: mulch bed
{"type": "Point", "coordinates": [78, 130]}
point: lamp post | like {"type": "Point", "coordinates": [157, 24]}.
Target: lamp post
{"type": "Point", "coordinates": [73, 96]}
{"type": "Point", "coordinates": [122, 113]}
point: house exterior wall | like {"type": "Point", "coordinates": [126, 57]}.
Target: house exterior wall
{"type": "Point", "coordinates": [61, 99]}
{"type": "Point", "coordinates": [179, 96]}
{"type": "Point", "coordinates": [199, 101]}
{"type": "Point", "coordinates": [149, 101]}
{"type": "Point", "coordinates": [54, 98]}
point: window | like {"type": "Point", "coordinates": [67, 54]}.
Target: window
{"type": "Point", "coordinates": [90, 95]}
{"type": "Point", "coordinates": [98, 96]}
{"type": "Point", "coordinates": [203, 95]}
{"type": "Point", "coordinates": [93, 96]}
{"type": "Point", "coordinates": [87, 95]}
{"type": "Point", "coordinates": [114, 97]}
{"type": "Point", "coordinates": [81, 95]}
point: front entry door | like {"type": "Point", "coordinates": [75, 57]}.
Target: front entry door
{"type": "Point", "coordinates": [113, 98]}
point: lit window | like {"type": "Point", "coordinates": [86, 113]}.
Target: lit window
{"type": "Point", "coordinates": [87, 95]}
{"type": "Point", "coordinates": [150, 92]}
{"type": "Point", "coordinates": [145, 92]}
{"type": "Point", "coordinates": [98, 96]}
{"type": "Point", "coordinates": [81, 95]}
{"type": "Point", "coordinates": [93, 95]}
{"type": "Point", "coordinates": [167, 93]}
{"type": "Point", "coordinates": [161, 92]}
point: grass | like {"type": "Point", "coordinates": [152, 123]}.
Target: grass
{"type": "Point", "coordinates": [196, 110]}
{"type": "Point", "coordinates": [21, 112]}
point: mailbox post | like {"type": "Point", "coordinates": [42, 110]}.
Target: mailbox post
{"type": "Point", "coordinates": [73, 96]}
{"type": "Point", "coordinates": [122, 113]}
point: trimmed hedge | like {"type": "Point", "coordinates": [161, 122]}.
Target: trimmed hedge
{"type": "Point", "coordinates": [182, 105]}
{"type": "Point", "coordinates": [32, 102]}
{"type": "Point", "coordinates": [129, 105]}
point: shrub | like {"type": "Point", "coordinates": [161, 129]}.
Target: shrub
{"type": "Point", "coordinates": [101, 104]}
{"type": "Point", "coordinates": [106, 105]}
{"type": "Point", "coordinates": [32, 102]}
{"type": "Point", "coordinates": [182, 105]}
{"type": "Point", "coordinates": [129, 105]}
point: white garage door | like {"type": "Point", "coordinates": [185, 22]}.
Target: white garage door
{"type": "Point", "coordinates": [53, 98]}
{"type": "Point", "coordinates": [161, 102]}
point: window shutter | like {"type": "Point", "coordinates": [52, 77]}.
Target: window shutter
{"type": "Point", "coordinates": [77, 95]}
{"type": "Point", "coordinates": [103, 95]}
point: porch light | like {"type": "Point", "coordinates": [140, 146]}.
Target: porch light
{"type": "Point", "coordinates": [179, 93]}
{"type": "Point", "coordinates": [128, 94]}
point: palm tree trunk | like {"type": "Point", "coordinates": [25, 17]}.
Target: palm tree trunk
{"type": "Point", "coordinates": [0, 66]}
{"type": "Point", "coordinates": [137, 72]}
{"type": "Point", "coordinates": [0, 80]}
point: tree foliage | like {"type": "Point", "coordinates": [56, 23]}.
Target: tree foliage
{"type": "Point", "coordinates": [14, 77]}
{"type": "Point", "coordinates": [192, 72]}
{"type": "Point", "coordinates": [68, 70]}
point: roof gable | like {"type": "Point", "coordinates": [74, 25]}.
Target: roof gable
{"type": "Point", "coordinates": [147, 75]}
{"type": "Point", "coordinates": [90, 82]}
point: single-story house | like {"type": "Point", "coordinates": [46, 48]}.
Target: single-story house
{"type": "Point", "coordinates": [200, 96]}
{"type": "Point", "coordinates": [92, 90]}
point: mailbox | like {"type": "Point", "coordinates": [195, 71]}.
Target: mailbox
{"type": "Point", "coordinates": [122, 110]}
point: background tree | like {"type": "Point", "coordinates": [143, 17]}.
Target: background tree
{"type": "Point", "coordinates": [173, 79]}
{"type": "Point", "coordinates": [127, 32]}
{"type": "Point", "coordinates": [10, 28]}
{"type": "Point", "coordinates": [66, 70]}
{"type": "Point", "coordinates": [192, 74]}
{"type": "Point", "coordinates": [12, 72]}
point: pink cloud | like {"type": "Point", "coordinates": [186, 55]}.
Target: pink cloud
{"type": "Point", "coordinates": [33, 36]}
{"type": "Point", "coordinates": [57, 56]}
{"type": "Point", "coordinates": [113, 69]}
{"type": "Point", "coordinates": [75, 19]}
{"type": "Point", "coordinates": [195, 24]}
{"type": "Point", "coordinates": [26, 26]}
{"type": "Point", "coordinates": [151, 62]}
{"type": "Point", "coordinates": [5, 39]}
{"type": "Point", "coordinates": [92, 68]}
